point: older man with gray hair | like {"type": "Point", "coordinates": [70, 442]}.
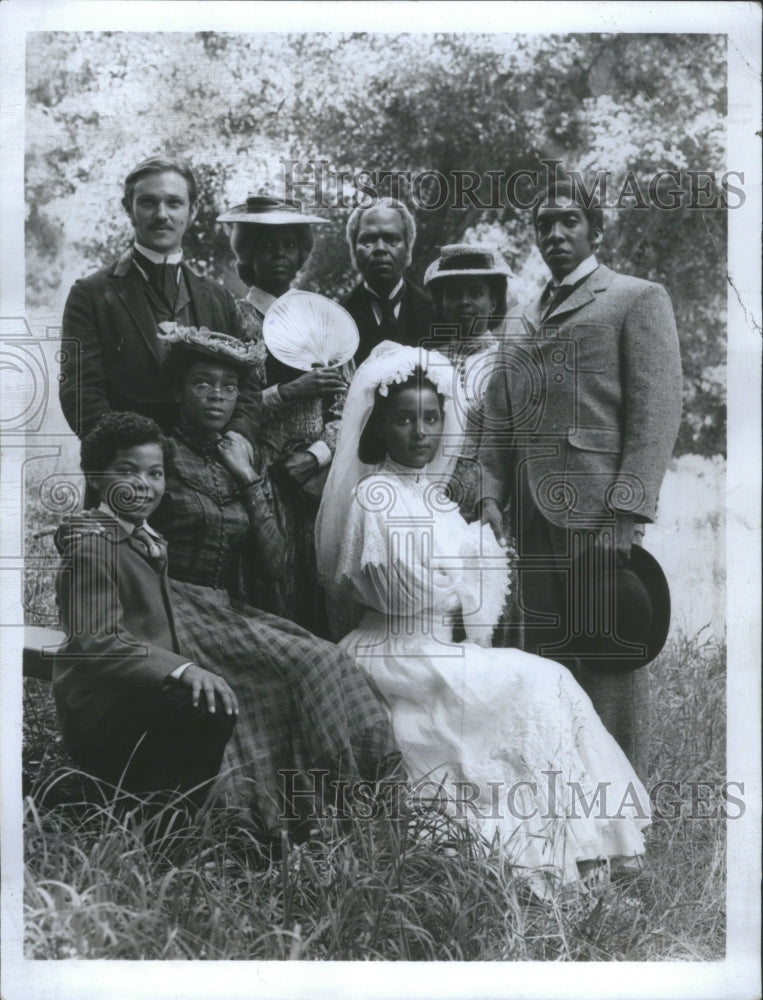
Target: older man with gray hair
{"type": "Point", "coordinates": [385, 305]}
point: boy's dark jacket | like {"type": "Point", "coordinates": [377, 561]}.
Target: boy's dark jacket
{"type": "Point", "coordinates": [116, 612]}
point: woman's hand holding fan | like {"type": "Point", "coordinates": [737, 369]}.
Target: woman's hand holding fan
{"type": "Point", "coordinates": [319, 381]}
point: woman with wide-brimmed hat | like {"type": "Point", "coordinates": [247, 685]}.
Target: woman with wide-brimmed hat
{"type": "Point", "coordinates": [469, 287]}
{"type": "Point", "coordinates": [272, 239]}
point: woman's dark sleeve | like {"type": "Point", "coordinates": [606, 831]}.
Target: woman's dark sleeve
{"type": "Point", "coordinates": [265, 543]}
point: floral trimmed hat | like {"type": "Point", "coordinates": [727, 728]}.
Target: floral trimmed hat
{"type": "Point", "coordinates": [220, 346]}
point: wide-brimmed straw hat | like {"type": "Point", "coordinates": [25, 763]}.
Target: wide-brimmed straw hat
{"type": "Point", "coordinates": [266, 211]}
{"type": "Point", "coordinates": [464, 259]}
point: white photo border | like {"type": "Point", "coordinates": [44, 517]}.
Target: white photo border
{"type": "Point", "coordinates": [737, 976]}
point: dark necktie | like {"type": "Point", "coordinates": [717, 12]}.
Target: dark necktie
{"type": "Point", "coordinates": [554, 295]}
{"type": "Point", "coordinates": [154, 546]}
{"type": "Point", "coordinates": [390, 324]}
{"type": "Point", "coordinates": [163, 278]}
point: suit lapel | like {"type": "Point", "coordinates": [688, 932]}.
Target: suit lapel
{"type": "Point", "coordinates": [129, 287]}
{"type": "Point", "coordinates": [406, 317]}
{"type": "Point", "coordinates": [368, 317]}
{"type": "Point", "coordinates": [118, 534]}
{"type": "Point", "coordinates": [122, 537]}
{"type": "Point", "coordinates": [137, 546]}
{"type": "Point", "coordinates": [532, 315]}
{"type": "Point", "coordinates": [183, 296]}
{"type": "Point", "coordinates": [580, 297]}
{"type": "Point", "coordinates": [196, 294]}
{"type": "Point", "coordinates": [598, 281]}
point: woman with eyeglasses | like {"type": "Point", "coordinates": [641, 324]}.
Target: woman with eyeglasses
{"type": "Point", "coordinates": [303, 704]}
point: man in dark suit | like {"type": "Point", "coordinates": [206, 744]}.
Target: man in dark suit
{"type": "Point", "coordinates": [111, 359]}
{"type": "Point", "coordinates": [582, 413]}
{"type": "Point", "coordinates": [385, 305]}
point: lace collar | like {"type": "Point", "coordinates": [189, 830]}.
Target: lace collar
{"type": "Point", "coordinates": [418, 479]}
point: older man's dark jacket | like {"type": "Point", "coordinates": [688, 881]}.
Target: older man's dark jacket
{"type": "Point", "coordinates": [413, 322]}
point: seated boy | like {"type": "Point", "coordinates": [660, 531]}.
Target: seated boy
{"type": "Point", "coordinates": [132, 709]}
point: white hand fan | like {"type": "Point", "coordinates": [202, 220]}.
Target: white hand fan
{"type": "Point", "coordinates": [302, 329]}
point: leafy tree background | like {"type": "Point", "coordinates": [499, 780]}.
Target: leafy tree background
{"type": "Point", "coordinates": [235, 105]}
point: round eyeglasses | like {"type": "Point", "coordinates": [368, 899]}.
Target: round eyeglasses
{"type": "Point", "coordinates": [206, 389]}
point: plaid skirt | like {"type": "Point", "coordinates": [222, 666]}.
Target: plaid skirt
{"type": "Point", "coordinates": [307, 716]}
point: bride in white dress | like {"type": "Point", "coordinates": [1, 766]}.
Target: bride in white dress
{"type": "Point", "coordinates": [507, 740]}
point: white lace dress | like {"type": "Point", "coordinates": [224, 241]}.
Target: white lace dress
{"type": "Point", "coordinates": [511, 738]}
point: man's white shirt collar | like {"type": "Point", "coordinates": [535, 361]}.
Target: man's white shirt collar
{"type": "Point", "coordinates": [376, 308]}
{"type": "Point", "coordinates": [128, 526]}
{"type": "Point", "coordinates": [391, 295]}
{"type": "Point", "coordinates": [260, 299]}
{"type": "Point", "coordinates": [584, 268]}
{"type": "Point", "coordinates": [159, 258]}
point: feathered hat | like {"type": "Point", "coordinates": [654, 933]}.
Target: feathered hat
{"type": "Point", "coordinates": [220, 346]}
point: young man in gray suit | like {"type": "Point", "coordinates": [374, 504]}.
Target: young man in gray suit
{"type": "Point", "coordinates": [581, 415]}
{"type": "Point", "coordinates": [111, 358]}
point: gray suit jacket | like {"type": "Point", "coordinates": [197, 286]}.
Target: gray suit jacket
{"type": "Point", "coordinates": [582, 409]}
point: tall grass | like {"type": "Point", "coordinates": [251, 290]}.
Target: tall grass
{"type": "Point", "coordinates": [107, 877]}
{"type": "Point", "coordinates": [110, 879]}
